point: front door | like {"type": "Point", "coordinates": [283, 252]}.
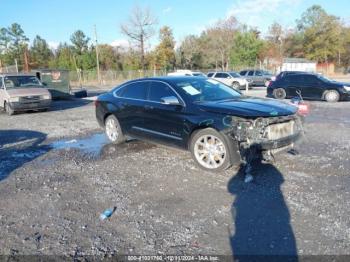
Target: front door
{"type": "Point", "coordinates": [163, 122]}
{"type": "Point", "coordinates": [312, 88]}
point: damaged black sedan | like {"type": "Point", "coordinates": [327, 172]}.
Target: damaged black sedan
{"type": "Point", "coordinates": [219, 125]}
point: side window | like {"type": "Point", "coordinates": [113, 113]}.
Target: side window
{"type": "Point", "coordinates": [250, 73]}
{"type": "Point", "coordinates": [310, 79]}
{"type": "Point", "coordinates": [1, 83]}
{"type": "Point", "coordinates": [159, 90]}
{"type": "Point", "coordinates": [137, 90]}
{"type": "Point", "coordinates": [242, 73]}
{"type": "Point", "coordinates": [221, 75]}
{"type": "Point", "coordinates": [210, 74]}
{"type": "Point", "coordinates": [258, 73]}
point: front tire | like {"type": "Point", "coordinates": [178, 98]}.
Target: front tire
{"type": "Point", "coordinates": [9, 109]}
{"type": "Point", "coordinates": [236, 85]}
{"type": "Point", "coordinates": [332, 96]}
{"type": "Point", "coordinates": [279, 93]}
{"type": "Point", "coordinates": [210, 150]}
{"type": "Point", "coordinates": [113, 130]}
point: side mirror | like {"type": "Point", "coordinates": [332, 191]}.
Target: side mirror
{"type": "Point", "coordinates": [170, 100]}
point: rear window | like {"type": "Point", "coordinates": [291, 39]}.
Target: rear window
{"type": "Point", "coordinates": [136, 90]}
{"type": "Point", "coordinates": [221, 75]}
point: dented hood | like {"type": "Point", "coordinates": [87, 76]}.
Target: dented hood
{"type": "Point", "coordinates": [27, 91]}
{"type": "Point", "coordinates": [249, 107]}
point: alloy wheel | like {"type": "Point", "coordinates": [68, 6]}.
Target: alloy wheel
{"type": "Point", "coordinates": [210, 151]}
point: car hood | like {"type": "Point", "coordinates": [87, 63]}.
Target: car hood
{"type": "Point", "coordinates": [28, 91]}
{"type": "Point", "coordinates": [249, 107]}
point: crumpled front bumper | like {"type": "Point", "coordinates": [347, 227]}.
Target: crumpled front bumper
{"type": "Point", "coordinates": [278, 143]}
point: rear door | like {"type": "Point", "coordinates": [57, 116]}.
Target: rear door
{"type": "Point", "coordinates": [313, 87]}
{"type": "Point", "coordinates": [259, 78]}
{"type": "Point", "coordinates": [292, 84]}
{"type": "Point", "coordinates": [131, 102]}
{"type": "Point", "coordinates": [163, 123]}
{"type": "Point", "coordinates": [250, 76]}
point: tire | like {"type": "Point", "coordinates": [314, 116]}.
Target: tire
{"type": "Point", "coordinates": [210, 150]}
{"type": "Point", "coordinates": [332, 96]}
{"type": "Point", "coordinates": [279, 93]}
{"type": "Point", "coordinates": [9, 109]}
{"type": "Point", "coordinates": [113, 130]}
{"type": "Point", "coordinates": [235, 85]}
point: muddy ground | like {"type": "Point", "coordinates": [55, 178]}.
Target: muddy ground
{"type": "Point", "coordinates": [58, 173]}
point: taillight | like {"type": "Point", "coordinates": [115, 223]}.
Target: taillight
{"type": "Point", "coordinates": [303, 109]}
{"type": "Point", "coordinates": [96, 102]}
{"type": "Point", "coordinates": [269, 84]}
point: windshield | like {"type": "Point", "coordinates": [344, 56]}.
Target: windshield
{"type": "Point", "coordinates": [234, 74]}
{"type": "Point", "coordinates": [21, 81]}
{"type": "Point", "coordinates": [207, 90]}
{"type": "Point", "coordinates": [326, 79]}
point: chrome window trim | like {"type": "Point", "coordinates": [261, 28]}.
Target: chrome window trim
{"type": "Point", "coordinates": [156, 132]}
{"type": "Point", "coordinates": [126, 84]}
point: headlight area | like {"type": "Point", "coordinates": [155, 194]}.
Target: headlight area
{"type": "Point", "coordinates": [347, 88]}
{"type": "Point", "coordinates": [46, 97]}
{"type": "Point", "coordinates": [254, 132]}
{"type": "Point", "coordinates": [13, 99]}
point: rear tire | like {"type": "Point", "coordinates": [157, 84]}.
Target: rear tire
{"type": "Point", "coordinates": [210, 150]}
{"type": "Point", "coordinates": [9, 109]}
{"type": "Point", "coordinates": [113, 130]}
{"type": "Point", "coordinates": [279, 93]}
{"type": "Point", "coordinates": [332, 96]}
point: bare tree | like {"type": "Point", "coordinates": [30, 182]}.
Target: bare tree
{"type": "Point", "coordinates": [139, 28]}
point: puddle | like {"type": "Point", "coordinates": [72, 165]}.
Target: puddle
{"type": "Point", "coordinates": [91, 145]}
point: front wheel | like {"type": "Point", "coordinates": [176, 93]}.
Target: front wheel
{"type": "Point", "coordinates": [332, 96]}
{"type": "Point", "coordinates": [210, 150]}
{"type": "Point", "coordinates": [235, 85]}
{"type": "Point", "coordinates": [113, 130]}
{"type": "Point", "coordinates": [9, 109]}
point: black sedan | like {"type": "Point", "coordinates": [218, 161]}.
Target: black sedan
{"type": "Point", "coordinates": [219, 125]}
{"type": "Point", "coordinates": [309, 86]}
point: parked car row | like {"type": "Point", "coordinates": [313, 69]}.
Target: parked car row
{"type": "Point", "coordinates": [308, 86]}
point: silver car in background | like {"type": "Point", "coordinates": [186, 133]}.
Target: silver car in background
{"type": "Point", "coordinates": [20, 92]}
{"type": "Point", "coordinates": [232, 79]}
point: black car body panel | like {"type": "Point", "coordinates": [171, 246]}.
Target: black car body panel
{"type": "Point", "coordinates": [244, 120]}
{"type": "Point", "coordinates": [309, 85]}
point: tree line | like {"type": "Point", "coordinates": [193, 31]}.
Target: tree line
{"type": "Point", "coordinates": [227, 44]}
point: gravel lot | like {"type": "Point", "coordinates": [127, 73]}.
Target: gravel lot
{"type": "Point", "coordinates": [58, 173]}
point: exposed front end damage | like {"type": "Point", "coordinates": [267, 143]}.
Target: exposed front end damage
{"type": "Point", "coordinates": [264, 135]}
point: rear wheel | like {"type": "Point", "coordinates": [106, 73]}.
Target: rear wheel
{"type": "Point", "coordinates": [210, 150]}
{"type": "Point", "coordinates": [9, 109]}
{"type": "Point", "coordinates": [279, 93]}
{"type": "Point", "coordinates": [332, 96]}
{"type": "Point", "coordinates": [113, 130]}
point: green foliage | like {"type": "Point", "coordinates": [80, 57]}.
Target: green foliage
{"type": "Point", "coordinates": [165, 54]}
{"type": "Point", "coordinates": [13, 43]}
{"type": "Point", "coordinates": [246, 49]}
{"type": "Point", "coordinates": [40, 53]}
{"type": "Point", "coordinates": [321, 34]}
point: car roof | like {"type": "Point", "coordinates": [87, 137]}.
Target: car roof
{"type": "Point", "coordinates": [167, 79]}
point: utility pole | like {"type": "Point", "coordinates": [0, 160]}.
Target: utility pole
{"type": "Point", "coordinates": [97, 57]}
